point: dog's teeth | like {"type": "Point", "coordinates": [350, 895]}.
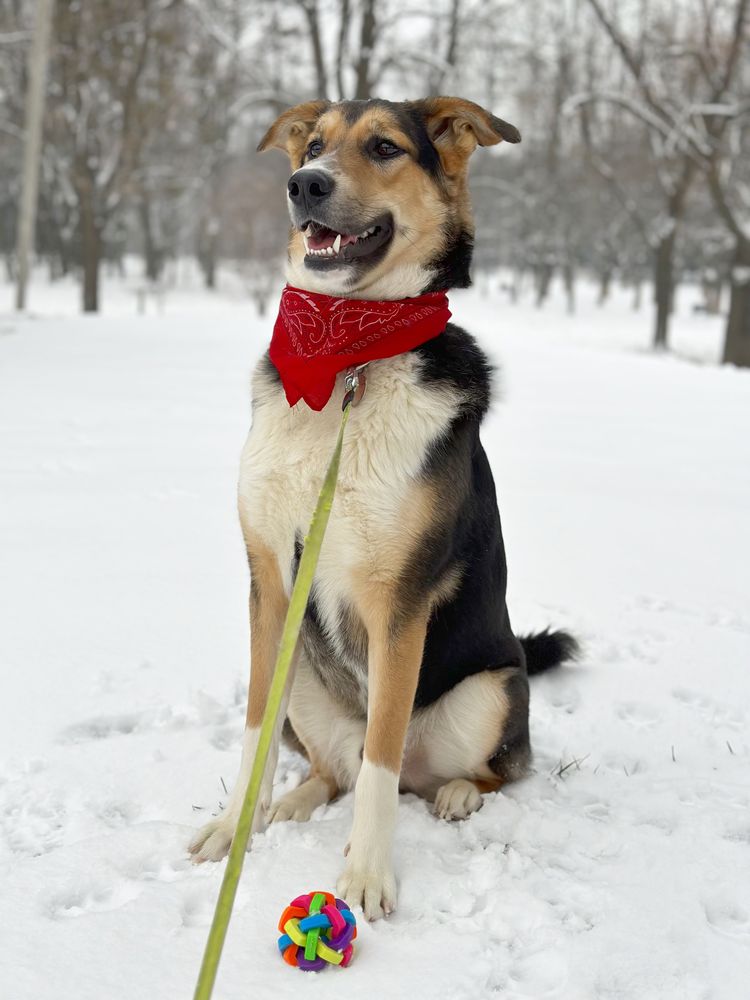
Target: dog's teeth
{"type": "Point", "coordinates": [337, 244]}
{"type": "Point", "coordinates": [304, 240]}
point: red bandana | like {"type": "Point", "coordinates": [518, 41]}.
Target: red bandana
{"type": "Point", "coordinates": [317, 336]}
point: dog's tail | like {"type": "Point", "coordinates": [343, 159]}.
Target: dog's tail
{"type": "Point", "coordinates": [548, 649]}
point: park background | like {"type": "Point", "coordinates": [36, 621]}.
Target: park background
{"type": "Point", "coordinates": [612, 292]}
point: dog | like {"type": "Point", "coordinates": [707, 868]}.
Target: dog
{"type": "Point", "coordinates": [408, 675]}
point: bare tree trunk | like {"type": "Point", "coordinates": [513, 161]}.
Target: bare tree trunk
{"type": "Point", "coordinates": [153, 254]}
{"type": "Point", "coordinates": [310, 8]}
{"type": "Point", "coordinates": [569, 280]}
{"type": "Point", "coordinates": [516, 285]}
{"type": "Point", "coordinates": [91, 248]}
{"type": "Point", "coordinates": [436, 80]}
{"type": "Point", "coordinates": [344, 13]}
{"type": "Point", "coordinates": [366, 46]}
{"type": "Point", "coordinates": [208, 251]}
{"type": "Point", "coordinates": [32, 148]}
{"type": "Point", "coordinates": [711, 289]}
{"type": "Point", "coordinates": [664, 283]}
{"type": "Point", "coordinates": [737, 340]}
{"type": "Point", "coordinates": [207, 261]}
{"type": "Point", "coordinates": [663, 288]}
{"type": "Point", "coordinates": [605, 286]}
{"type": "Point", "coordinates": [543, 280]}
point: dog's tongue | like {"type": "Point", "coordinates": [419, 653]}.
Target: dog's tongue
{"type": "Point", "coordinates": [324, 238]}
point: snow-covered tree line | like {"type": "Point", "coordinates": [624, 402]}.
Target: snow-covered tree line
{"type": "Point", "coordinates": [635, 115]}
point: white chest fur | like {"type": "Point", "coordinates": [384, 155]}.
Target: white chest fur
{"type": "Point", "coordinates": [286, 455]}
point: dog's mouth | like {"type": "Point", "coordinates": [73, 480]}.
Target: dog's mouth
{"type": "Point", "coordinates": [325, 247]}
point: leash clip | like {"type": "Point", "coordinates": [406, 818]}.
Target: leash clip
{"type": "Point", "coordinates": [355, 382]}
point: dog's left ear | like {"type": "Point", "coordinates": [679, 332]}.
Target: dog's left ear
{"type": "Point", "coordinates": [291, 129]}
{"type": "Point", "coordinates": [456, 127]}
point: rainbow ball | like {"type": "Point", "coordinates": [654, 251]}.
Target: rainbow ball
{"type": "Point", "coordinates": [317, 930]}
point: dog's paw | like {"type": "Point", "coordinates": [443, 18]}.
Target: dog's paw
{"type": "Point", "coordinates": [297, 805]}
{"type": "Point", "coordinates": [375, 892]}
{"type": "Point", "coordinates": [212, 842]}
{"type": "Point", "coordinates": [457, 799]}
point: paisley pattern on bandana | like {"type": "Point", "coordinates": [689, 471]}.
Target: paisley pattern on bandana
{"type": "Point", "coordinates": [317, 336]}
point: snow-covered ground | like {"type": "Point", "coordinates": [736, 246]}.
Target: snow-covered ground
{"type": "Point", "coordinates": [619, 869]}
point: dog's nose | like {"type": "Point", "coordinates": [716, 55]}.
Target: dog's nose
{"type": "Point", "coordinates": [308, 188]}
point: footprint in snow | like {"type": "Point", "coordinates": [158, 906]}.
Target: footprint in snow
{"type": "Point", "coordinates": [564, 697]}
{"type": "Point", "coordinates": [709, 709]}
{"type": "Point", "coordinates": [80, 900]}
{"type": "Point", "coordinates": [103, 727]}
{"type": "Point", "coordinates": [729, 918]}
{"type": "Point", "coordinates": [226, 737]}
{"type": "Point", "coordinates": [597, 810]}
{"type": "Point", "coordinates": [116, 814]}
{"type": "Point", "coordinates": [155, 868]}
{"type": "Point", "coordinates": [197, 910]}
{"type": "Point", "coordinates": [637, 714]}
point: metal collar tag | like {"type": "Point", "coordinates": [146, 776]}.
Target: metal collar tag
{"type": "Point", "coordinates": [355, 382]}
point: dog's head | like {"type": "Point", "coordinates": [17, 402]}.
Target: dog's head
{"type": "Point", "coordinates": [378, 196]}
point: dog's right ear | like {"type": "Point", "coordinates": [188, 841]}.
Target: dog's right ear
{"type": "Point", "coordinates": [290, 131]}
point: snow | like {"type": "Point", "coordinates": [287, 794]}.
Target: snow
{"type": "Point", "coordinates": [618, 869]}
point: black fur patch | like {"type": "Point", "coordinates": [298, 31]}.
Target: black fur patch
{"type": "Point", "coordinates": [548, 649]}
{"type": "Point", "coordinates": [513, 755]}
{"type": "Point", "coordinates": [455, 360]}
{"type": "Point", "coordinates": [471, 631]}
{"type": "Point", "coordinates": [452, 266]}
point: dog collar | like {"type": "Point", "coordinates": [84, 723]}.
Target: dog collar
{"type": "Point", "coordinates": [317, 336]}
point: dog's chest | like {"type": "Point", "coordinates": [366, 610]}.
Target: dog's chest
{"type": "Point", "coordinates": [387, 440]}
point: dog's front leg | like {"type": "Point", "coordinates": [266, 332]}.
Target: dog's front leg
{"type": "Point", "coordinates": [268, 606]}
{"type": "Point", "coordinates": [394, 658]}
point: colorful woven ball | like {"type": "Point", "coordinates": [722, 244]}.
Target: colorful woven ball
{"type": "Point", "coordinates": [317, 930]}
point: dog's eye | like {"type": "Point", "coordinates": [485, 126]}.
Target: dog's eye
{"type": "Point", "coordinates": [314, 149]}
{"type": "Point", "coordinates": [386, 149]}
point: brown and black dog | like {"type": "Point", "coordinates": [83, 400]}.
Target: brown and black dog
{"type": "Point", "coordinates": [408, 675]}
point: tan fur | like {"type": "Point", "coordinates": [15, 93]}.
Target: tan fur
{"type": "Point", "coordinates": [394, 663]}
{"type": "Point", "coordinates": [456, 128]}
{"type": "Point", "coordinates": [290, 131]}
{"type": "Point", "coordinates": [268, 604]}
{"type": "Point", "coordinates": [395, 628]}
{"type": "Point", "coordinates": [485, 785]}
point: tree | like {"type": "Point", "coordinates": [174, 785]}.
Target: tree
{"type": "Point", "coordinates": [683, 74]}
{"type": "Point", "coordinates": [106, 106]}
{"type": "Point", "coordinates": [38, 59]}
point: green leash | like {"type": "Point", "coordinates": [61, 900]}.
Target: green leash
{"type": "Point", "coordinates": [297, 604]}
